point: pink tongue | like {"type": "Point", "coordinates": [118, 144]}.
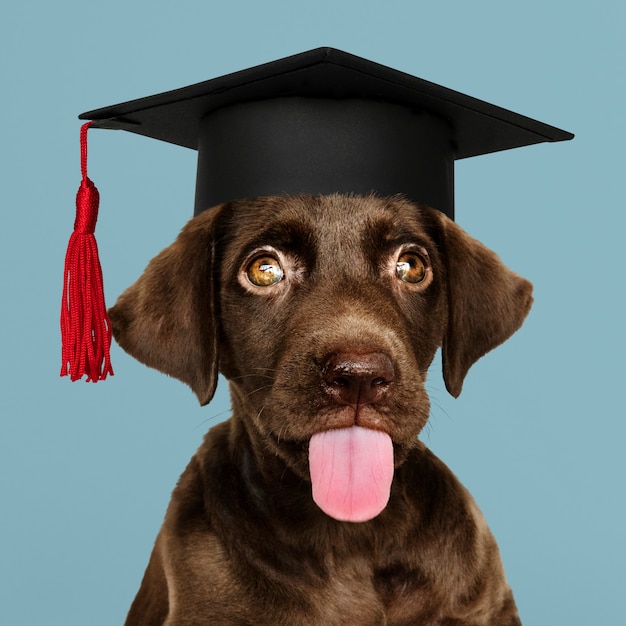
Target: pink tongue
{"type": "Point", "coordinates": [351, 471]}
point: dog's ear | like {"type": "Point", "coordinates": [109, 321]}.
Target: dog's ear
{"type": "Point", "coordinates": [167, 318]}
{"type": "Point", "coordinates": [487, 303]}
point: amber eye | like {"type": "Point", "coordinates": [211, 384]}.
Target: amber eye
{"type": "Point", "coordinates": [265, 271]}
{"type": "Point", "coordinates": [411, 268]}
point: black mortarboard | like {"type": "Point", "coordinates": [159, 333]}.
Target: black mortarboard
{"type": "Point", "coordinates": [325, 121]}
{"type": "Point", "coordinates": [316, 123]}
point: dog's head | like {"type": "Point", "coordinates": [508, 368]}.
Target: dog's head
{"type": "Point", "coordinates": [323, 312]}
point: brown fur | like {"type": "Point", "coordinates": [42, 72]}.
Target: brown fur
{"type": "Point", "coordinates": [242, 541]}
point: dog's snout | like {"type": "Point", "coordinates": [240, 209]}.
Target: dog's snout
{"type": "Point", "coordinates": [358, 379]}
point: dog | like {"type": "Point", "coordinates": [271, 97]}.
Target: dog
{"type": "Point", "coordinates": [316, 503]}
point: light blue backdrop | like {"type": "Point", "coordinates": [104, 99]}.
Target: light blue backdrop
{"type": "Point", "coordinates": [538, 433]}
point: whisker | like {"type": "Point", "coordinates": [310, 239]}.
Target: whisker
{"type": "Point", "coordinates": [242, 376]}
{"type": "Point", "coordinates": [213, 417]}
{"type": "Point", "coordinates": [258, 416]}
{"type": "Point", "coordinates": [261, 388]}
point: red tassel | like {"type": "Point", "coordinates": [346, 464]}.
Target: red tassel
{"type": "Point", "coordinates": [85, 324]}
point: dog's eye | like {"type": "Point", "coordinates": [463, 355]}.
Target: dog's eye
{"type": "Point", "coordinates": [411, 268]}
{"type": "Point", "coordinates": [265, 271]}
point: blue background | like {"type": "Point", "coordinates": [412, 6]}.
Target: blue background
{"type": "Point", "coordinates": [538, 433]}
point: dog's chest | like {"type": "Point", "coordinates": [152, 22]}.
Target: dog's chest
{"type": "Point", "coordinates": [382, 596]}
{"type": "Point", "coordinates": [349, 595]}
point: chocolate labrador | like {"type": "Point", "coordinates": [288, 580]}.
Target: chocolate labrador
{"type": "Point", "coordinates": [316, 503]}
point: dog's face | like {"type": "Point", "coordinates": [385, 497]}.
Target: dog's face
{"type": "Point", "coordinates": [323, 313]}
{"type": "Point", "coordinates": [330, 315]}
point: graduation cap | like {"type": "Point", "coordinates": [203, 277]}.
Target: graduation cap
{"type": "Point", "coordinates": [319, 122]}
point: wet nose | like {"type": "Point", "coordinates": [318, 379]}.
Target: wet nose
{"type": "Point", "coordinates": [357, 379]}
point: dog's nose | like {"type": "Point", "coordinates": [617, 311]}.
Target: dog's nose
{"type": "Point", "coordinates": [357, 379]}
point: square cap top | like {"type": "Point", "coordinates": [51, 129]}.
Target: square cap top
{"type": "Point", "coordinates": [400, 110]}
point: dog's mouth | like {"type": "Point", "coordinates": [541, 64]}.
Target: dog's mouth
{"type": "Point", "coordinates": [345, 425]}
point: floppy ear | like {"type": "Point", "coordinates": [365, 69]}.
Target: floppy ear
{"type": "Point", "coordinates": [167, 318]}
{"type": "Point", "coordinates": [487, 303]}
